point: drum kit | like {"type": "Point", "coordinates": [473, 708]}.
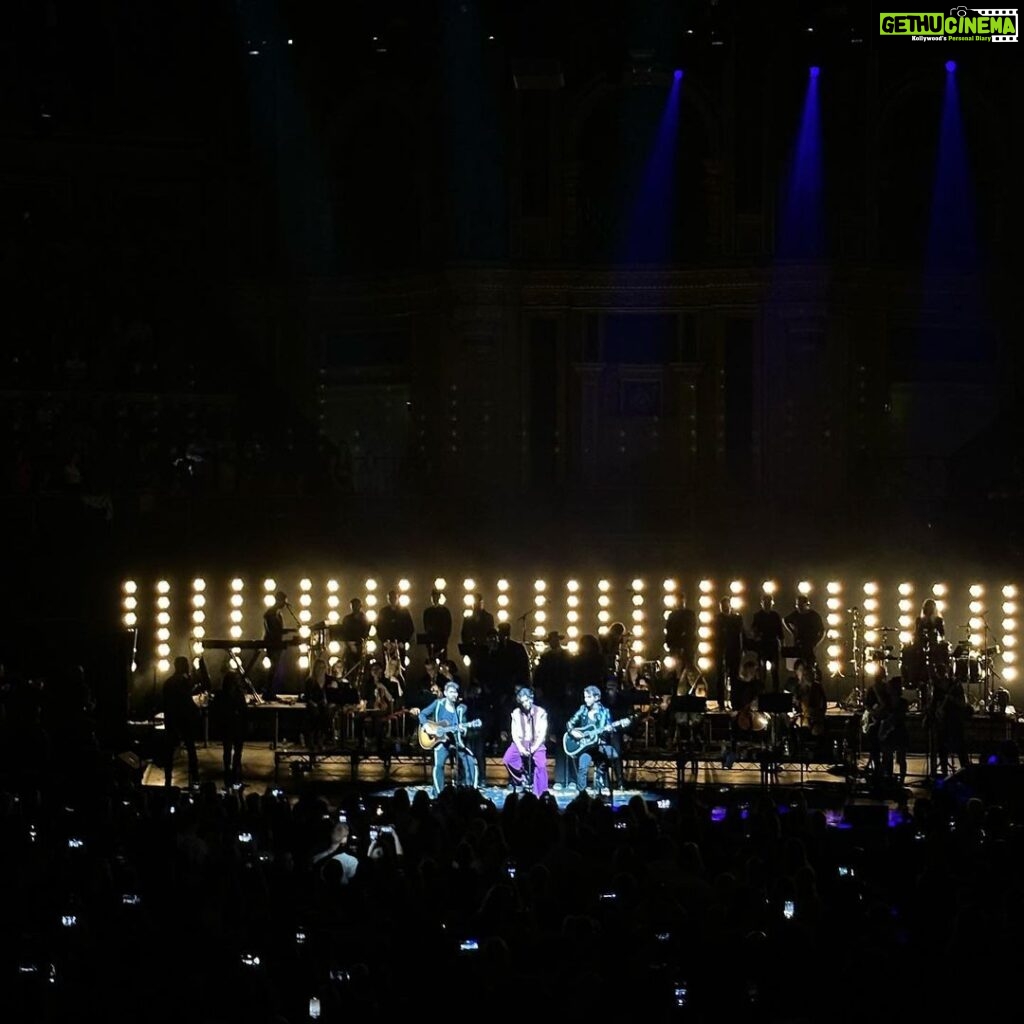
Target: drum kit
{"type": "Point", "coordinates": [967, 664]}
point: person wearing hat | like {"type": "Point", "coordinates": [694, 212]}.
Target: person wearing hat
{"type": "Point", "coordinates": [449, 712]}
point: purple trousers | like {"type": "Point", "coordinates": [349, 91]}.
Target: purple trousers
{"type": "Point", "coordinates": [518, 771]}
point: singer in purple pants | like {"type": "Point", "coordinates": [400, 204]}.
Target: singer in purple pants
{"type": "Point", "coordinates": [526, 758]}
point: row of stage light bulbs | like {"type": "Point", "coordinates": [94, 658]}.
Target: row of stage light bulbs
{"type": "Point", "coordinates": [835, 614]}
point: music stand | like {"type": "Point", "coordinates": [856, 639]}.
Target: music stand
{"type": "Point", "coordinates": [776, 705]}
{"type": "Point", "coordinates": [780, 703]}
{"type": "Point", "coordinates": [688, 704]}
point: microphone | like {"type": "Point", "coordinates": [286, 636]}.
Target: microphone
{"type": "Point", "coordinates": [523, 616]}
{"type": "Point", "coordinates": [855, 608]}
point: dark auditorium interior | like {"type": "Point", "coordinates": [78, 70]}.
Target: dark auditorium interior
{"type": "Point", "coordinates": [510, 497]}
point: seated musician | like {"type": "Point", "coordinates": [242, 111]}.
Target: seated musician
{"type": "Point", "coordinates": [382, 699]}
{"type": "Point", "coordinates": [747, 723]}
{"type": "Point", "coordinates": [593, 719]}
{"type": "Point", "coordinates": [449, 712]}
{"type": "Point", "coordinates": [526, 758]}
{"type": "Point", "coordinates": [811, 704]}
{"type": "Point", "coordinates": [429, 686]}
{"type": "Point", "coordinates": [688, 726]}
{"type": "Point", "coordinates": [314, 697]}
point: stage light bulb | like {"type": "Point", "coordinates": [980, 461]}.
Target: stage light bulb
{"type": "Point", "coordinates": [502, 615]}
{"type": "Point", "coordinates": [502, 585]}
{"type": "Point", "coordinates": [130, 619]}
{"type": "Point", "coordinates": [906, 589]}
{"type": "Point", "coordinates": [540, 585]}
{"type": "Point", "coordinates": [469, 583]}
{"type": "Point", "coordinates": [637, 584]}
{"type": "Point", "coordinates": [769, 587]}
{"type": "Point", "coordinates": [440, 583]}
{"type": "Point", "coordinates": [803, 587]}
{"type": "Point", "coordinates": [736, 587]}
{"type": "Point", "coordinates": [669, 586]}
{"type": "Point", "coordinates": [939, 589]}
{"type": "Point", "coordinates": [270, 585]}
{"type": "Point", "coordinates": [332, 586]}
{"type": "Point", "coordinates": [163, 587]}
{"type": "Point", "coordinates": [130, 586]}
{"type": "Point", "coordinates": [371, 585]}
{"type": "Point", "coordinates": [705, 586]}
{"type": "Point", "coordinates": [235, 632]}
{"type": "Point", "coordinates": [604, 586]}
{"type": "Point", "coordinates": [834, 587]}
{"type": "Point", "coordinates": [268, 600]}
{"type": "Point", "coordinates": [237, 584]}
{"type": "Point", "coordinates": [572, 586]}
{"type": "Point", "coordinates": [1010, 674]}
{"type": "Point", "coordinates": [163, 665]}
{"type": "Point", "coordinates": [1009, 590]}
{"type": "Point", "coordinates": [704, 664]}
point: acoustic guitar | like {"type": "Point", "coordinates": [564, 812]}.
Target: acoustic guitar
{"type": "Point", "coordinates": [574, 746]}
{"type": "Point", "coordinates": [432, 734]}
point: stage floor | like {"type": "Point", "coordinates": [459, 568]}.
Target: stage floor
{"type": "Point", "coordinates": [649, 778]}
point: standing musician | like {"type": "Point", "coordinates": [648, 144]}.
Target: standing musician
{"type": "Point", "coordinates": [526, 757]}
{"type": "Point", "coordinates": [946, 718]}
{"type": "Point", "coordinates": [593, 716]}
{"type": "Point", "coordinates": [727, 641]}
{"type": "Point", "coordinates": [681, 631]}
{"type": "Point", "coordinates": [806, 628]}
{"type": "Point", "coordinates": [355, 628]}
{"type": "Point", "coordinates": [437, 625]}
{"type": "Point", "coordinates": [615, 649]}
{"type": "Point", "coordinates": [767, 634]}
{"type": "Point", "coordinates": [274, 631]}
{"type": "Point", "coordinates": [449, 713]}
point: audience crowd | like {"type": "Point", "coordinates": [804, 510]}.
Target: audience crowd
{"type": "Point", "coordinates": [223, 904]}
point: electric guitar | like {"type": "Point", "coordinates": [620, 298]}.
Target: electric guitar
{"type": "Point", "coordinates": [432, 734]}
{"type": "Point", "coordinates": [574, 746]}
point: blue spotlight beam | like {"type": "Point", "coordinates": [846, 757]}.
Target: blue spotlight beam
{"type": "Point", "coordinates": [801, 231]}
{"type": "Point", "coordinates": [650, 225]}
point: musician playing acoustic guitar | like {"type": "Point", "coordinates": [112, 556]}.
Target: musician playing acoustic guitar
{"type": "Point", "coordinates": [444, 721]}
{"type": "Point", "coordinates": [592, 718]}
